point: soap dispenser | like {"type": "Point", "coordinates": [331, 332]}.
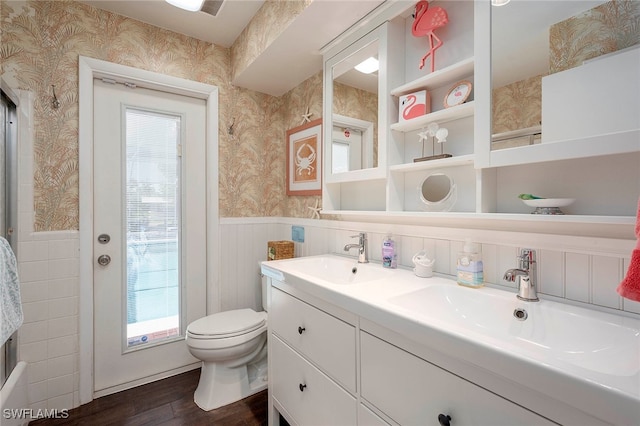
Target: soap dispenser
{"type": "Point", "coordinates": [469, 266]}
{"type": "Point", "coordinates": [389, 254]}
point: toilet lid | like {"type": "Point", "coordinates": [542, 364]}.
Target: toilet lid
{"type": "Point", "coordinates": [228, 323]}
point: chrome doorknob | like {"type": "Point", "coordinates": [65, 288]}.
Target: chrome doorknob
{"type": "Point", "coordinates": [104, 260]}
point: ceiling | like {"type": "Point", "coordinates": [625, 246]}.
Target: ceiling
{"type": "Point", "coordinates": [290, 59]}
{"type": "Point", "coordinates": [222, 29]}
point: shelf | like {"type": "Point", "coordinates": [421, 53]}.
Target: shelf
{"type": "Point", "coordinates": [449, 74]}
{"type": "Point", "coordinates": [613, 143]}
{"type": "Point", "coordinates": [444, 115]}
{"type": "Point", "coordinates": [461, 160]}
{"type": "Point", "coordinates": [607, 226]}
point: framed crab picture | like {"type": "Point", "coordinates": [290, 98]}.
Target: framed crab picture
{"type": "Point", "coordinates": [304, 159]}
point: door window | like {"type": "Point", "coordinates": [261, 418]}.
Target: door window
{"type": "Point", "coordinates": [152, 212]}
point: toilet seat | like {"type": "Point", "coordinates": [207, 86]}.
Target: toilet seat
{"type": "Point", "coordinates": [227, 324]}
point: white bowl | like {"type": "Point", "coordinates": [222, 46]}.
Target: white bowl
{"type": "Point", "coordinates": [549, 202]}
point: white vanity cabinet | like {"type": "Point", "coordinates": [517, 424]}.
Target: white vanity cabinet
{"type": "Point", "coordinates": [412, 391]}
{"type": "Point", "coordinates": [328, 366]}
{"type": "Point", "coordinates": [312, 359]}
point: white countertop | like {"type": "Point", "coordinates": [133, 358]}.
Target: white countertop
{"type": "Point", "coordinates": [606, 390]}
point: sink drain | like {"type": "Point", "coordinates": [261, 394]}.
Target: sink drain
{"type": "Point", "coordinates": [354, 269]}
{"type": "Point", "coordinates": [520, 314]}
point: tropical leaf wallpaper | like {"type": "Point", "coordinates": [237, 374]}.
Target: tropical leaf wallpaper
{"type": "Point", "coordinates": [610, 27]}
{"type": "Point", "coordinates": [41, 42]}
{"type": "Point", "coordinates": [517, 105]}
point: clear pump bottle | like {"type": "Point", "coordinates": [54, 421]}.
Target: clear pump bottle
{"type": "Point", "coordinates": [469, 266]}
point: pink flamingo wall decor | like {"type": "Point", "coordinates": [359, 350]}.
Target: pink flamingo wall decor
{"type": "Point", "coordinates": [425, 21]}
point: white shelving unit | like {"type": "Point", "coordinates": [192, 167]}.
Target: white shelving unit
{"type": "Point", "coordinates": [442, 116]}
{"type": "Point", "coordinates": [488, 182]}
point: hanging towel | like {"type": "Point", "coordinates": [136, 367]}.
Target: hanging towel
{"type": "Point", "coordinates": [630, 286]}
{"type": "Point", "coordinates": [11, 312]}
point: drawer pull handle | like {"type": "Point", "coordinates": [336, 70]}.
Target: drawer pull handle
{"type": "Point", "coordinates": [301, 386]}
{"type": "Point", "coordinates": [301, 329]}
{"type": "Point", "coordinates": [444, 420]}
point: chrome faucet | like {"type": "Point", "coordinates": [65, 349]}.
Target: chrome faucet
{"type": "Point", "coordinates": [525, 276]}
{"type": "Point", "coordinates": [361, 246]}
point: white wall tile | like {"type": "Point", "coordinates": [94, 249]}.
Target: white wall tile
{"type": "Point", "coordinates": [37, 392]}
{"type": "Point", "coordinates": [32, 352]}
{"type": "Point", "coordinates": [33, 332]}
{"type": "Point", "coordinates": [32, 251]}
{"type": "Point", "coordinates": [62, 346]}
{"type": "Point", "coordinates": [577, 277]}
{"type": "Point", "coordinates": [63, 268]}
{"type": "Point", "coordinates": [63, 287]}
{"type": "Point", "coordinates": [37, 371]}
{"type": "Point", "coordinates": [551, 272]}
{"type": "Point", "coordinates": [605, 277]}
{"type": "Point", "coordinates": [61, 402]}
{"type": "Point", "coordinates": [34, 291]}
{"type": "Point", "coordinates": [63, 249]}
{"type": "Point", "coordinates": [33, 271]}
{"type": "Point", "coordinates": [64, 326]}
{"type": "Point", "coordinates": [60, 386]}
{"type": "Point", "coordinates": [61, 366]}
{"type": "Point", "coordinates": [35, 311]}
{"type": "Point", "coordinates": [63, 307]}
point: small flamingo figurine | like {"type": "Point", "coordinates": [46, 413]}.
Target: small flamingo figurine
{"type": "Point", "coordinates": [425, 21]}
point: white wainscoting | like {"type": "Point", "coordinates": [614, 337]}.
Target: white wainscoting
{"type": "Point", "coordinates": [581, 270]}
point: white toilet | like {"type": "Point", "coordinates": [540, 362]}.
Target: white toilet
{"type": "Point", "coordinates": [232, 347]}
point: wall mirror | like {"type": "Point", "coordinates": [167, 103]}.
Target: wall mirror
{"type": "Point", "coordinates": [352, 145]}
{"type": "Point", "coordinates": [524, 48]}
{"type": "Point", "coordinates": [437, 192]}
{"type": "Point", "coordinates": [352, 90]}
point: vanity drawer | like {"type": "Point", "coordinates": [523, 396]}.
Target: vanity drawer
{"type": "Point", "coordinates": [309, 396]}
{"type": "Point", "coordinates": [413, 391]}
{"type": "Point", "coordinates": [326, 341]}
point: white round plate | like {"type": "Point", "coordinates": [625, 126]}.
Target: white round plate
{"type": "Point", "coordinates": [549, 202]}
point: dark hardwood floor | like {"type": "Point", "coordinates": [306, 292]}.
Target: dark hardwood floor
{"type": "Point", "coordinates": [166, 402]}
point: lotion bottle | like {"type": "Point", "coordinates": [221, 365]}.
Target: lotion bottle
{"type": "Point", "coordinates": [389, 255]}
{"type": "Point", "coordinates": [469, 266]}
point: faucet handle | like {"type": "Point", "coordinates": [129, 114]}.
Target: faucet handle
{"type": "Point", "coordinates": [362, 236]}
{"type": "Point", "coordinates": [526, 258]}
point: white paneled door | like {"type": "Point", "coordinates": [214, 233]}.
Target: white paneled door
{"type": "Point", "coordinates": [149, 168]}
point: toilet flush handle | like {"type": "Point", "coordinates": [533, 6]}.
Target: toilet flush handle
{"type": "Point", "coordinates": [301, 329]}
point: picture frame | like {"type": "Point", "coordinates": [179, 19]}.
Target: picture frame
{"type": "Point", "coordinates": [304, 159]}
{"type": "Point", "coordinates": [458, 94]}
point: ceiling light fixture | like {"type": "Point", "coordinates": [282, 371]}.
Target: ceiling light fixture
{"type": "Point", "coordinates": [499, 2]}
{"type": "Point", "coordinates": [368, 66]}
{"type": "Point", "coordinates": [190, 5]}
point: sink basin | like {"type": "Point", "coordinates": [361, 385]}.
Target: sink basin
{"type": "Point", "coordinates": [333, 269]}
{"type": "Point", "coordinates": [588, 339]}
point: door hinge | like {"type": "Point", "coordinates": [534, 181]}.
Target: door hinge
{"type": "Point", "coordinates": [179, 150]}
